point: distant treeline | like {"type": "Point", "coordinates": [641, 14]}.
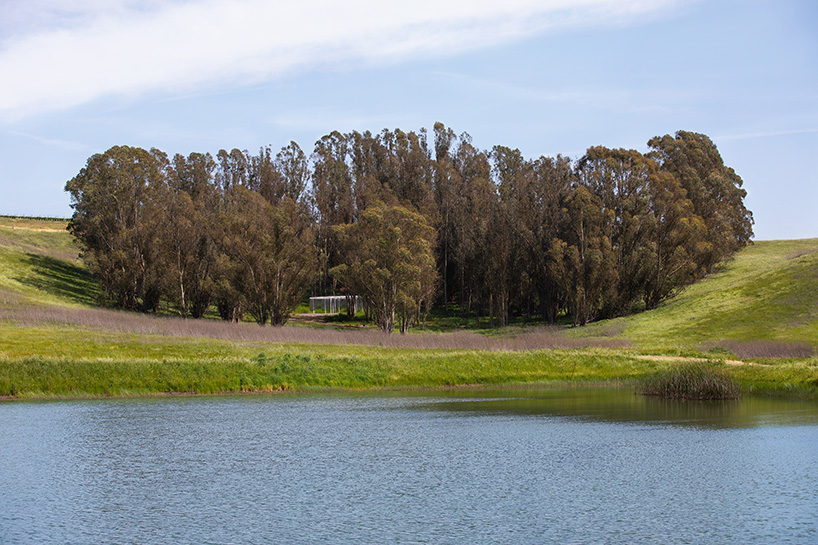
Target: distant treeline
{"type": "Point", "coordinates": [408, 226]}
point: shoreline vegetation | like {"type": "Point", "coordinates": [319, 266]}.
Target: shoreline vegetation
{"type": "Point", "coordinates": [692, 380]}
{"type": "Point", "coordinates": [756, 320]}
{"type": "Point", "coordinates": [315, 369]}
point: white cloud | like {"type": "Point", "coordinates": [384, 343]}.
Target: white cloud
{"type": "Point", "coordinates": [67, 145]}
{"type": "Point", "coordinates": [766, 134]}
{"type": "Point", "coordinates": [128, 48]}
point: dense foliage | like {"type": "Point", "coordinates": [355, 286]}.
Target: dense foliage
{"type": "Point", "coordinates": [405, 225]}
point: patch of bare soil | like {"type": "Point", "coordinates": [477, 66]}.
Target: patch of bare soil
{"type": "Point", "coordinates": [701, 360]}
{"type": "Point", "coordinates": [32, 228]}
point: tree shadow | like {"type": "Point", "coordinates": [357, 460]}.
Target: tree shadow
{"type": "Point", "coordinates": [60, 278]}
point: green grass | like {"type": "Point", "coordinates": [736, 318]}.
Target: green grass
{"type": "Point", "coordinates": [39, 264]}
{"type": "Point", "coordinates": [769, 292]}
{"type": "Point", "coordinates": [768, 296]}
{"type": "Point", "coordinates": [213, 368]}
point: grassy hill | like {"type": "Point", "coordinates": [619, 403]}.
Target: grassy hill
{"type": "Point", "coordinates": [762, 307]}
{"type": "Point", "coordinates": [39, 264]}
{"type": "Point", "coordinates": [764, 302]}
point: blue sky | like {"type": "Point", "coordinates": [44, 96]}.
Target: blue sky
{"type": "Point", "coordinates": [545, 76]}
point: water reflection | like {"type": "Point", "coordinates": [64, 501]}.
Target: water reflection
{"type": "Point", "coordinates": [624, 405]}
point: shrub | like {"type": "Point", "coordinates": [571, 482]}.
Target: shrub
{"type": "Point", "coordinates": [698, 381]}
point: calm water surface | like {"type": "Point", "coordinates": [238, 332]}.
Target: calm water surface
{"type": "Point", "coordinates": [520, 466]}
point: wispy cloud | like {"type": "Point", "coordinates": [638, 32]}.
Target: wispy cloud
{"type": "Point", "coordinates": [68, 145]}
{"type": "Point", "coordinates": [61, 57]}
{"type": "Point", "coordinates": [765, 134]}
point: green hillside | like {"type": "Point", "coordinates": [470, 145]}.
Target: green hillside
{"type": "Point", "coordinates": [39, 265]}
{"type": "Point", "coordinates": [767, 295]}
{"type": "Point", "coordinates": [770, 292]}
{"type": "Point", "coordinates": [762, 307]}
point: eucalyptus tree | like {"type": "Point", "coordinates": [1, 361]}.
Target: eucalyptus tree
{"type": "Point", "coordinates": [714, 189]}
{"type": "Point", "coordinates": [584, 262]}
{"type": "Point", "coordinates": [263, 177]}
{"type": "Point", "coordinates": [271, 253]}
{"type": "Point", "coordinates": [507, 269]}
{"type": "Point", "coordinates": [115, 221]}
{"type": "Point", "coordinates": [449, 202]}
{"type": "Point", "coordinates": [674, 245]}
{"type": "Point", "coordinates": [540, 219]}
{"type": "Point", "coordinates": [464, 196]}
{"type": "Point", "coordinates": [365, 154]}
{"type": "Point", "coordinates": [188, 249]}
{"type": "Point", "coordinates": [407, 168]}
{"type": "Point", "coordinates": [332, 198]}
{"type": "Point", "coordinates": [193, 174]}
{"type": "Point", "coordinates": [233, 169]}
{"type": "Point", "coordinates": [294, 170]}
{"type": "Point", "coordinates": [506, 235]}
{"type": "Point", "coordinates": [474, 198]}
{"type": "Point", "coordinates": [620, 179]}
{"type": "Point", "coordinates": [389, 263]}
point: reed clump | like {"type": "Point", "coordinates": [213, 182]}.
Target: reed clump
{"type": "Point", "coordinates": [693, 381]}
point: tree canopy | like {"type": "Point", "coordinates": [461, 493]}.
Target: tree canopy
{"type": "Point", "coordinates": [407, 225]}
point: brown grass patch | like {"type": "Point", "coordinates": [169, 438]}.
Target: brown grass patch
{"type": "Point", "coordinates": [769, 349]}
{"type": "Point", "coordinates": [802, 252]}
{"type": "Point", "coordinates": [9, 297]}
{"type": "Point", "coordinates": [127, 322]}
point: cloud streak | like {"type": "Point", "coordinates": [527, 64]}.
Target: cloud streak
{"type": "Point", "coordinates": [128, 49]}
{"type": "Point", "coordinates": [766, 134]}
{"type": "Point", "coordinates": [68, 145]}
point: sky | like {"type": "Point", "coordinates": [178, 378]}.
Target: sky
{"type": "Point", "coordinates": [543, 76]}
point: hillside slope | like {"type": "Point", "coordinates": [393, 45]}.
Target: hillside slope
{"type": "Point", "coordinates": [763, 298]}
{"type": "Point", "coordinates": [39, 265]}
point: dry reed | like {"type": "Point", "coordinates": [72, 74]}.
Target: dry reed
{"type": "Point", "coordinates": [693, 381]}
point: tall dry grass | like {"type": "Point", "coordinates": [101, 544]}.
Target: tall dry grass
{"type": "Point", "coordinates": [9, 297]}
{"type": "Point", "coordinates": [769, 349]}
{"type": "Point", "coordinates": [127, 322]}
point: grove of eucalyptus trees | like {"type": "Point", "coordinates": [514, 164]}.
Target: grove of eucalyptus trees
{"type": "Point", "coordinates": [407, 226]}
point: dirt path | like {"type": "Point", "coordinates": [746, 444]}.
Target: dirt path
{"type": "Point", "coordinates": [31, 228]}
{"type": "Point", "coordinates": [689, 359]}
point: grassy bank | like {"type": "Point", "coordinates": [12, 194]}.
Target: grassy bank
{"type": "Point", "coordinates": [761, 309]}
{"type": "Point", "coordinates": [210, 367]}
{"type": "Point", "coordinates": [306, 368]}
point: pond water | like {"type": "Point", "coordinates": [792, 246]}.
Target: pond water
{"type": "Point", "coordinates": [515, 466]}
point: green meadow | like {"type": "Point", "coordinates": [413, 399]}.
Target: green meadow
{"type": "Point", "coordinates": [756, 320]}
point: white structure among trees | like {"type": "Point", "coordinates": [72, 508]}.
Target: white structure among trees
{"type": "Point", "coordinates": [333, 304]}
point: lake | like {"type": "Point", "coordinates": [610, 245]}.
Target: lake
{"type": "Point", "coordinates": [468, 466]}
